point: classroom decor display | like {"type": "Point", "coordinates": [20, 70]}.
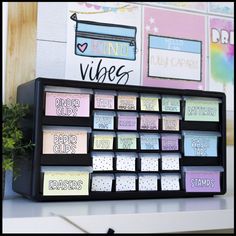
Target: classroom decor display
{"type": "Point", "coordinates": [106, 141]}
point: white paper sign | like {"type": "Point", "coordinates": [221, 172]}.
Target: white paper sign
{"type": "Point", "coordinates": [174, 58]}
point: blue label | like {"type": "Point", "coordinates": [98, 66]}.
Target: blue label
{"type": "Point", "coordinates": [196, 145]}
{"type": "Point", "coordinates": [175, 44]}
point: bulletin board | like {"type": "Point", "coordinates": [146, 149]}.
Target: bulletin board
{"type": "Point", "coordinates": [124, 142]}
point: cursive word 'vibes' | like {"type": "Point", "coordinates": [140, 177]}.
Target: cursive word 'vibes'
{"type": "Point", "coordinates": [103, 74]}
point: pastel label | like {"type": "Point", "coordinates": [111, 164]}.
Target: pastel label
{"type": "Point", "coordinates": [170, 123]}
{"type": "Point", "coordinates": [126, 142]}
{"type": "Point", "coordinates": [126, 102]}
{"type": "Point", "coordinates": [149, 142]}
{"type": "Point", "coordinates": [103, 122]}
{"type": "Point", "coordinates": [202, 182]}
{"type": "Point", "coordinates": [67, 104]}
{"type": "Point", "coordinates": [103, 142]}
{"type": "Point", "coordinates": [64, 142]}
{"type": "Point", "coordinates": [149, 122]}
{"type": "Point", "coordinates": [170, 104]}
{"type": "Point", "coordinates": [127, 122]}
{"type": "Point", "coordinates": [195, 145]}
{"type": "Point", "coordinates": [104, 101]}
{"type": "Point", "coordinates": [198, 110]}
{"type": "Point", "coordinates": [168, 143]}
{"type": "Point", "coordinates": [149, 104]}
{"type": "Point", "coordinates": [68, 183]}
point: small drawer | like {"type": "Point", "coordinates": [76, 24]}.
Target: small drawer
{"type": "Point", "coordinates": [102, 182]}
{"type": "Point", "coordinates": [149, 161]}
{"type": "Point", "coordinates": [148, 182]}
{"type": "Point", "coordinates": [102, 161]}
{"type": "Point", "coordinates": [127, 120]}
{"type": "Point", "coordinates": [170, 142]}
{"type": "Point", "coordinates": [149, 141]}
{"type": "Point", "coordinates": [170, 161]}
{"type": "Point", "coordinates": [103, 140]}
{"type": "Point", "coordinates": [103, 120]}
{"type": "Point", "coordinates": [170, 181]}
{"type": "Point", "coordinates": [126, 182]}
{"type": "Point", "coordinates": [170, 103]}
{"type": "Point", "coordinates": [127, 101]}
{"type": "Point", "coordinates": [126, 161]}
{"type": "Point", "coordinates": [127, 140]}
{"type": "Point", "coordinates": [149, 102]}
{"type": "Point", "coordinates": [171, 122]}
{"type": "Point", "coordinates": [104, 99]}
{"type": "Point", "coordinates": [149, 121]}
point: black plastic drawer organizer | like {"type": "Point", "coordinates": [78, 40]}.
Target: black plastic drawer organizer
{"type": "Point", "coordinates": [103, 141]}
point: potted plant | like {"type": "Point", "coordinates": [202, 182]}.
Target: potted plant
{"type": "Point", "coordinates": [13, 140]}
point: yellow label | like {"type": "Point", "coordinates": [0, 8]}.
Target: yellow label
{"type": "Point", "coordinates": [103, 142]}
{"type": "Point", "coordinates": [66, 183]}
{"type": "Point", "coordinates": [149, 104]}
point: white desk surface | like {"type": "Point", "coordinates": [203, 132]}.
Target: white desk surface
{"type": "Point", "coordinates": [21, 215]}
{"type": "Point", "coordinates": [125, 216]}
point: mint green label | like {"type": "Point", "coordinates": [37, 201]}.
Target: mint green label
{"type": "Point", "coordinates": [127, 142]}
{"type": "Point", "coordinates": [198, 110]}
{"type": "Point", "coordinates": [170, 104]}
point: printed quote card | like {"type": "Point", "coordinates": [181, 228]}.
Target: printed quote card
{"type": "Point", "coordinates": [173, 49]}
{"type": "Point", "coordinates": [104, 42]}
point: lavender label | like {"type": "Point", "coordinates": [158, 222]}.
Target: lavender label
{"type": "Point", "coordinates": [169, 144]}
{"type": "Point", "coordinates": [202, 182]}
{"type": "Point", "coordinates": [127, 122]}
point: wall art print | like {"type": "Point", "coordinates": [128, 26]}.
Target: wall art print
{"type": "Point", "coordinates": [221, 54]}
{"type": "Point", "coordinates": [101, 48]}
{"type": "Point", "coordinates": [173, 49]}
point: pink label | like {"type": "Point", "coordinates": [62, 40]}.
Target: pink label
{"type": "Point", "coordinates": [67, 104]}
{"type": "Point", "coordinates": [202, 182]}
{"type": "Point", "coordinates": [104, 101]}
{"type": "Point", "coordinates": [169, 143]}
{"type": "Point", "coordinates": [149, 122]}
{"type": "Point", "coordinates": [64, 142]}
{"type": "Point", "coordinates": [127, 122]}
